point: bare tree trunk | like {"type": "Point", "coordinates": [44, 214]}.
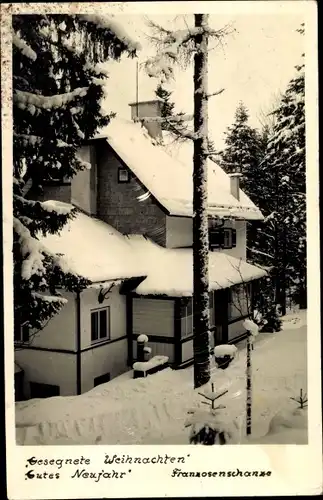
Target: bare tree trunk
{"type": "Point", "coordinates": [284, 260]}
{"type": "Point", "coordinates": [201, 343]}
{"type": "Point", "coordinates": [249, 385]}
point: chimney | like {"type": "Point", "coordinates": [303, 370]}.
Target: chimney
{"type": "Point", "coordinates": [148, 109]}
{"type": "Point", "coordinates": [235, 184]}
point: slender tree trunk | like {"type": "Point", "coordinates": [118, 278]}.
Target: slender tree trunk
{"type": "Point", "coordinates": [276, 241]}
{"type": "Point", "coordinates": [201, 343]}
{"type": "Point", "coordinates": [249, 385]}
{"type": "Point", "coordinates": [283, 298]}
{"type": "Point", "coordinates": [302, 291]}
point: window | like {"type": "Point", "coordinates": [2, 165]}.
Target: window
{"type": "Point", "coordinates": [211, 309]}
{"type": "Point", "coordinates": [102, 379]}
{"type": "Point", "coordinates": [223, 238]}
{"type": "Point", "coordinates": [123, 175]}
{"type": "Point", "coordinates": [187, 318]}
{"type": "Point", "coordinates": [100, 324]}
{"type": "Point", "coordinates": [240, 300]}
{"type": "Point", "coordinates": [187, 315]}
{"type": "Point", "coordinates": [21, 333]}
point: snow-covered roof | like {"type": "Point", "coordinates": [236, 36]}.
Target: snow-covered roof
{"type": "Point", "coordinates": [94, 250]}
{"type": "Point", "coordinates": [170, 271]}
{"type": "Point", "coordinates": [167, 173]}
{"type": "Point", "coordinates": [98, 252]}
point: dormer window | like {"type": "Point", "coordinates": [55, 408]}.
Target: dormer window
{"type": "Point", "coordinates": [222, 238]}
{"type": "Point", "coordinates": [123, 175]}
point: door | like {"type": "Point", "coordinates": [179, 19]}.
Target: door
{"type": "Point", "coordinates": [221, 303]}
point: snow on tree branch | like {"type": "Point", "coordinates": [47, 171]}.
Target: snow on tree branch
{"type": "Point", "coordinates": [170, 118]}
{"type": "Point", "coordinates": [25, 49]}
{"type": "Point", "coordinates": [49, 298]}
{"type": "Point", "coordinates": [253, 250]}
{"type": "Point", "coordinates": [30, 101]}
{"type": "Point", "coordinates": [109, 23]}
{"type": "Point", "coordinates": [175, 46]}
{"type": "Point", "coordinates": [84, 164]}
{"type": "Point", "coordinates": [31, 251]}
{"type": "Point", "coordinates": [218, 92]}
{"type": "Point", "coordinates": [175, 124]}
{"type": "Point", "coordinates": [160, 66]}
{"type": "Point", "coordinates": [57, 206]}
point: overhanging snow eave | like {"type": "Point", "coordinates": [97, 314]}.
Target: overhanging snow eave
{"type": "Point", "coordinates": [221, 212]}
{"type": "Point", "coordinates": [117, 281]}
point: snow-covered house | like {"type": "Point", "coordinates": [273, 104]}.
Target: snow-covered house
{"type": "Point", "coordinates": [86, 343]}
{"type": "Point", "coordinates": [134, 233]}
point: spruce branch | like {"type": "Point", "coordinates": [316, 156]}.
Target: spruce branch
{"type": "Point", "coordinates": [218, 92]}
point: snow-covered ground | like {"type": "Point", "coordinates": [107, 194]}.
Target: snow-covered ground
{"type": "Point", "coordinates": [153, 410]}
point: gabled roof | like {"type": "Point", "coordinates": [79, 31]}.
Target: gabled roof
{"type": "Point", "coordinates": [168, 178]}
{"type": "Point", "coordinates": [170, 271]}
{"type": "Point", "coordinates": [94, 250]}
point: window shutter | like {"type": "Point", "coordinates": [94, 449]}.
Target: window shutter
{"type": "Point", "coordinates": [103, 324]}
{"type": "Point", "coordinates": [216, 238]}
{"type": "Point", "coordinates": [94, 326]}
{"type": "Point", "coordinates": [221, 237]}
{"type": "Point", "coordinates": [234, 238]}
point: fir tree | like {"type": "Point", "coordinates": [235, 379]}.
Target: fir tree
{"type": "Point", "coordinates": [241, 153]}
{"type": "Point", "coordinates": [287, 211]}
{"type": "Point", "coordinates": [167, 107]}
{"type": "Point", "coordinates": [57, 91]}
{"type": "Point", "coordinates": [179, 127]}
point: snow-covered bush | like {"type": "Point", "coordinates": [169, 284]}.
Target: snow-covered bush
{"type": "Point", "coordinates": [271, 321]}
{"type": "Point", "coordinates": [210, 428]}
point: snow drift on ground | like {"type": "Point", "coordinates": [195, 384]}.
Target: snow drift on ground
{"type": "Point", "coordinates": [153, 410]}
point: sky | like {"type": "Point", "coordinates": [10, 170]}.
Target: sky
{"type": "Point", "coordinates": [254, 65]}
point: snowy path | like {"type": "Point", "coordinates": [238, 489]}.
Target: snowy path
{"type": "Point", "coordinates": [154, 410]}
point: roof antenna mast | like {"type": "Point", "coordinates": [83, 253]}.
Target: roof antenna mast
{"type": "Point", "coordinates": [137, 89]}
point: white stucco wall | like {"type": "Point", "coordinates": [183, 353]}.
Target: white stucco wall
{"type": "Point", "coordinates": [117, 303]}
{"type": "Point", "coordinates": [179, 232]}
{"type": "Point", "coordinates": [240, 250]}
{"type": "Point", "coordinates": [59, 333]}
{"type": "Point", "coordinates": [109, 358]}
{"type": "Point", "coordinates": [59, 368]}
{"type": "Point", "coordinates": [47, 367]}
